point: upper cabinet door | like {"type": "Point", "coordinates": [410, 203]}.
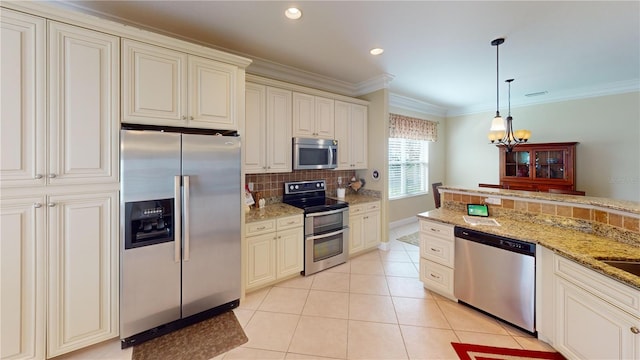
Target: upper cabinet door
{"type": "Point", "coordinates": [84, 91]}
{"type": "Point", "coordinates": [22, 144]}
{"type": "Point", "coordinates": [211, 90]}
{"type": "Point", "coordinates": [342, 128]}
{"type": "Point", "coordinates": [358, 136]}
{"type": "Point", "coordinates": [313, 116]}
{"type": "Point", "coordinates": [324, 118]}
{"type": "Point", "coordinates": [154, 89]}
{"type": "Point", "coordinates": [278, 130]}
{"type": "Point", "coordinates": [255, 129]}
{"type": "Point", "coordinates": [303, 115]}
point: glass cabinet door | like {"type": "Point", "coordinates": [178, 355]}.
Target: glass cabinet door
{"type": "Point", "coordinates": [550, 164]}
{"type": "Point", "coordinates": [517, 163]}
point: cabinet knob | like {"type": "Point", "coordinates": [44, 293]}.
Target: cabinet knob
{"type": "Point", "coordinates": [51, 204]}
{"type": "Point", "coordinates": [634, 330]}
{"type": "Point", "coordinates": [51, 176]}
{"type": "Point", "coordinates": [190, 117]}
{"type": "Point", "coordinates": [37, 205]}
{"type": "Point", "coordinates": [38, 176]}
{"type": "Point", "coordinates": [184, 117]}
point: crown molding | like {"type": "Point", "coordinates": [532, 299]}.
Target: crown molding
{"type": "Point", "coordinates": [614, 88]}
{"type": "Point", "coordinates": [374, 84]}
{"type": "Point", "coordinates": [273, 70]}
{"type": "Point", "coordinates": [420, 106]}
{"type": "Point", "coordinates": [75, 14]}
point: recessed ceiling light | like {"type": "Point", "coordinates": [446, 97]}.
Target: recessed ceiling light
{"type": "Point", "coordinates": [293, 13]}
{"type": "Point", "coordinates": [376, 51]}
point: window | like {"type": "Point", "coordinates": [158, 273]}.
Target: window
{"type": "Point", "coordinates": [408, 167]}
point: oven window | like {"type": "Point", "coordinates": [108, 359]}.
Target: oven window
{"type": "Point", "coordinates": [327, 223]}
{"type": "Point", "coordinates": [325, 248]}
{"type": "Point", "coordinates": [313, 156]}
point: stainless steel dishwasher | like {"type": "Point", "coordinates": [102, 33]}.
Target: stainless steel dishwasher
{"type": "Point", "coordinates": [497, 275]}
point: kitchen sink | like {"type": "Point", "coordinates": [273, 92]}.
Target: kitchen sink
{"type": "Point", "coordinates": [630, 266]}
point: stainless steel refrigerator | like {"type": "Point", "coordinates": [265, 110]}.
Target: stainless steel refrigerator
{"type": "Point", "coordinates": [180, 228]}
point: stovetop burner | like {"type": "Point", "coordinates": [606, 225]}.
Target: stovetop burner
{"type": "Point", "coordinates": [310, 196]}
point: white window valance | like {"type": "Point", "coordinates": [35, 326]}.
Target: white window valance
{"type": "Point", "coordinates": [406, 127]}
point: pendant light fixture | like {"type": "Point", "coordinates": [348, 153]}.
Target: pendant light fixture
{"type": "Point", "coordinates": [501, 133]}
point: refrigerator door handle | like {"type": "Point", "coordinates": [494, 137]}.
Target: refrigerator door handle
{"type": "Point", "coordinates": [177, 210]}
{"type": "Point", "coordinates": [185, 253]}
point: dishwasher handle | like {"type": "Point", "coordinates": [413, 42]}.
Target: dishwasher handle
{"type": "Point", "coordinates": [497, 241]}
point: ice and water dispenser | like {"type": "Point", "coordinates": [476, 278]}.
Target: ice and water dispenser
{"type": "Point", "coordinates": [148, 222]}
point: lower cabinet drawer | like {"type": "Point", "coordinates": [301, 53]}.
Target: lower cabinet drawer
{"type": "Point", "coordinates": [437, 249]}
{"type": "Point", "coordinates": [436, 277]}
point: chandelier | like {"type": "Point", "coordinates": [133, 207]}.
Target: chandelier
{"type": "Point", "coordinates": [501, 132]}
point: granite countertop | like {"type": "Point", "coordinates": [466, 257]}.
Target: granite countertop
{"type": "Point", "coordinates": [277, 210]}
{"type": "Point", "coordinates": [271, 212]}
{"type": "Point", "coordinates": [586, 249]}
{"type": "Point", "coordinates": [356, 199]}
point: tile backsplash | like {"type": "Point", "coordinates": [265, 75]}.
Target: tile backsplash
{"type": "Point", "coordinates": [271, 186]}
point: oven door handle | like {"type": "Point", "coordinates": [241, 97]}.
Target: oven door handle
{"type": "Point", "coordinates": [323, 213]}
{"type": "Point", "coordinates": [327, 234]}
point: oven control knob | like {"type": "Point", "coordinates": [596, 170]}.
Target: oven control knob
{"type": "Point", "coordinates": [297, 187]}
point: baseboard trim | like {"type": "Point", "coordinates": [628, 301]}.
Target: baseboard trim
{"type": "Point", "coordinates": [402, 222]}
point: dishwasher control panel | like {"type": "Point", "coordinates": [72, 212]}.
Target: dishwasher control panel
{"type": "Point", "coordinates": [497, 241]}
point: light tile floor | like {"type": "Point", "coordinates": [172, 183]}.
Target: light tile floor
{"type": "Point", "coordinates": [372, 307]}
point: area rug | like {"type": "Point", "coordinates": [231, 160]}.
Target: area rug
{"type": "Point", "coordinates": [201, 341]}
{"type": "Point", "coordinates": [481, 352]}
{"type": "Point", "coordinates": [413, 239]}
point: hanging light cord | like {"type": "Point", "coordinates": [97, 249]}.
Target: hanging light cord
{"type": "Point", "coordinates": [497, 81]}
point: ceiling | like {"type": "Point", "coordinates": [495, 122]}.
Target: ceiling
{"type": "Point", "coordinates": [437, 53]}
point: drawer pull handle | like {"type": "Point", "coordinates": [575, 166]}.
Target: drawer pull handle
{"type": "Point", "coordinates": [435, 276]}
{"type": "Point", "coordinates": [38, 176]}
{"type": "Point", "coordinates": [634, 330]}
{"type": "Point", "coordinates": [261, 228]}
{"type": "Point", "coordinates": [291, 222]}
{"type": "Point", "coordinates": [435, 230]}
{"type": "Point", "coordinates": [37, 205]}
{"type": "Point", "coordinates": [435, 250]}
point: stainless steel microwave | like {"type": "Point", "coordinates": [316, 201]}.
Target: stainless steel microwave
{"type": "Point", "coordinates": [311, 154]}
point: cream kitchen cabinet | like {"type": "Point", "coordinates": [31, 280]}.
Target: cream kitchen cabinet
{"type": "Point", "coordinates": [167, 87]}
{"type": "Point", "coordinates": [364, 227]}
{"type": "Point", "coordinates": [437, 243]}
{"type": "Point", "coordinates": [313, 116]}
{"type": "Point", "coordinates": [275, 250]}
{"type": "Point", "coordinates": [77, 143]}
{"type": "Point", "coordinates": [351, 133]}
{"type": "Point", "coordinates": [82, 270]}
{"type": "Point", "coordinates": [23, 126]}
{"type": "Point", "coordinates": [22, 259]}
{"type": "Point", "coordinates": [267, 129]}
{"type": "Point", "coordinates": [595, 317]}
{"type": "Point", "coordinates": [77, 306]}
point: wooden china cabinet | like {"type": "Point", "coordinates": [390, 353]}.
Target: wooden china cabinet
{"type": "Point", "coordinates": [538, 167]}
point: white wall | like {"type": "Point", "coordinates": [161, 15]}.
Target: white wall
{"type": "Point", "coordinates": [607, 129]}
{"type": "Point", "coordinates": [404, 208]}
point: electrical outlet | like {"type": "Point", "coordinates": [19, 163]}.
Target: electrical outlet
{"type": "Point", "coordinates": [250, 186]}
{"type": "Point", "coordinates": [492, 200]}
